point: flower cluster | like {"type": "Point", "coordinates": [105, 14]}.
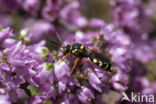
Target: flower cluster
{"type": "Point", "coordinates": [32, 70]}
{"type": "Point", "coordinates": [21, 64]}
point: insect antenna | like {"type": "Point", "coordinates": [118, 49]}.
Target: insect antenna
{"type": "Point", "coordinates": [56, 43]}
{"type": "Point", "coordinates": [61, 42]}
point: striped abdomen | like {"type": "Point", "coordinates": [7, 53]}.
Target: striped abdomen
{"type": "Point", "coordinates": [100, 61]}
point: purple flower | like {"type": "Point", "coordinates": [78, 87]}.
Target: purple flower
{"type": "Point", "coordinates": [74, 17]}
{"type": "Point", "coordinates": [13, 56]}
{"type": "Point", "coordinates": [48, 13]}
{"type": "Point", "coordinates": [36, 31]}
{"type": "Point", "coordinates": [61, 70]}
{"type": "Point", "coordinates": [31, 70]}
{"type": "Point", "coordinates": [85, 95]}
{"type": "Point", "coordinates": [31, 5]}
{"type": "Point", "coordinates": [141, 83]}
{"type": "Point", "coordinates": [9, 6]}
{"type": "Point", "coordinates": [96, 23]}
{"type": "Point", "coordinates": [120, 81]}
{"type": "Point", "coordinates": [141, 48]}
{"type": "Point", "coordinates": [4, 67]}
{"type": "Point", "coordinates": [62, 84]}
{"type": "Point", "coordinates": [4, 34]}
{"type": "Point", "coordinates": [50, 93]}
{"type": "Point", "coordinates": [51, 9]}
{"type": "Point", "coordinates": [44, 75]}
{"type": "Point", "coordinates": [134, 2]}
{"type": "Point", "coordinates": [18, 95]}
{"type": "Point", "coordinates": [36, 100]}
{"type": "Point", "coordinates": [129, 15]}
{"type": "Point", "coordinates": [94, 81]}
{"type": "Point", "coordinates": [9, 42]}
{"type": "Point", "coordinates": [4, 99]}
{"type": "Point", "coordinates": [5, 20]}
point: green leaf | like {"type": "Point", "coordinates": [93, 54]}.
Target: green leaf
{"type": "Point", "coordinates": [1, 29]}
{"type": "Point", "coordinates": [48, 102]}
{"type": "Point", "coordinates": [49, 66]}
{"type": "Point", "coordinates": [33, 91]}
{"type": "Point", "coordinates": [55, 55]}
{"type": "Point", "coordinates": [45, 52]}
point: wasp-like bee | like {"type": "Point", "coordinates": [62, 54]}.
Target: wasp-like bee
{"type": "Point", "coordinates": [80, 51]}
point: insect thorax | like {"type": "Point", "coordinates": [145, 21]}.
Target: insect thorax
{"type": "Point", "coordinates": [78, 50]}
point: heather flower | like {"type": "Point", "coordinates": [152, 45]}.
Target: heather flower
{"type": "Point", "coordinates": [48, 13]}
{"type": "Point", "coordinates": [5, 67]}
{"type": "Point", "coordinates": [13, 56]}
{"type": "Point", "coordinates": [61, 70]}
{"type": "Point", "coordinates": [62, 84]}
{"type": "Point", "coordinates": [51, 9]}
{"type": "Point", "coordinates": [4, 34]}
{"type": "Point", "coordinates": [134, 2]}
{"type": "Point", "coordinates": [22, 60]}
{"type": "Point", "coordinates": [5, 20]}
{"type": "Point", "coordinates": [144, 47]}
{"type": "Point", "coordinates": [141, 82]}
{"type": "Point", "coordinates": [32, 70]}
{"type": "Point", "coordinates": [77, 19]}
{"type": "Point", "coordinates": [50, 93]}
{"type": "Point", "coordinates": [119, 83]}
{"type": "Point", "coordinates": [119, 47]}
{"type": "Point", "coordinates": [36, 100]}
{"type": "Point", "coordinates": [4, 99]}
{"type": "Point", "coordinates": [36, 31]}
{"type": "Point", "coordinates": [31, 5]}
{"type": "Point", "coordinates": [44, 74]}
{"type": "Point", "coordinates": [84, 38]}
{"type": "Point", "coordinates": [9, 42]}
{"type": "Point", "coordinates": [9, 6]}
{"type": "Point", "coordinates": [96, 23]}
{"type": "Point", "coordinates": [85, 95]}
{"type": "Point", "coordinates": [95, 81]}
{"type": "Point", "coordinates": [17, 95]}
{"type": "Point", "coordinates": [129, 14]}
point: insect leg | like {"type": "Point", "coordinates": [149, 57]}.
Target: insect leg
{"type": "Point", "coordinates": [74, 66]}
{"type": "Point", "coordinates": [95, 50]}
{"type": "Point", "coordinates": [72, 42]}
{"type": "Point", "coordinates": [90, 64]}
{"type": "Point", "coordinates": [66, 56]}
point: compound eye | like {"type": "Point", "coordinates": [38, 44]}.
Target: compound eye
{"type": "Point", "coordinates": [67, 49]}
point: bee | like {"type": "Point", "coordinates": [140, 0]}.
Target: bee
{"type": "Point", "coordinates": [79, 51]}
